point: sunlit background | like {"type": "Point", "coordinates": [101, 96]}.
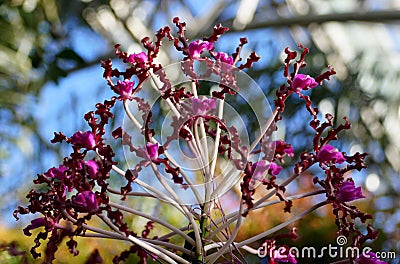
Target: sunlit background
{"type": "Point", "coordinates": [50, 53]}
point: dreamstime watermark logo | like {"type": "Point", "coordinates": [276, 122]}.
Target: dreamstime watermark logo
{"type": "Point", "coordinates": [341, 240]}
{"type": "Point", "coordinates": [333, 251]}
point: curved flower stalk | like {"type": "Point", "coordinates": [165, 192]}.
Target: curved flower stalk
{"type": "Point", "coordinates": [213, 158]}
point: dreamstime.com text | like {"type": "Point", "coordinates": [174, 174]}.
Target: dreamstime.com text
{"type": "Point", "coordinates": [338, 251]}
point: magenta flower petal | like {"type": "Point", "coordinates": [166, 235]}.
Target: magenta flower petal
{"type": "Point", "coordinates": [86, 201]}
{"type": "Point", "coordinates": [289, 151]}
{"type": "Point", "coordinates": [92, 169]}
{"type": "Point", "coordinates": [125, 89]}
{"type": "Point", "coordinates": [328, 153]}
{"type": "Point", "coordinates": [223, 57]}
{"type": "Point", "coordinates": [258, 169]}
{"type": "Point", "coordinates": [201, 106]}
{"type": "Point", "coordinates": [282, 148]}
{"type": "Point", "coordinates": [348, 192]}
{"type": "Point", "coordinates": [35, 223]}
{"type": "Point", "coordinates": [152, 150]}
{"type": "Point", "coordinates": [285, 258]}
{"type": "Point", "coordinates": [39, 222]}
{"type": "Point", "coordinates": [57, 173]}
{"type": "Point", "coordinates": [282, 254]}
{"type": "Point", "coordinates": [197, 47]}
{"type": "Point", "coordinates": [303, 82]}
{"type": "Point", "coordinates": [274, 168]}
{"type": "Point", "coordinates": [369, 258]}
{"type": "Point", "coordinates": [84, 139]}
{"type": "Point", "coordinates": [140, 58]}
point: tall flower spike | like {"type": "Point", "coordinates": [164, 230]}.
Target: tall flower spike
{"type": "Point", "coordinates": [80, 188]}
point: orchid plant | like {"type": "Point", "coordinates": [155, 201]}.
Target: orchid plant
{"type": "Point", "coordinates": [191, 163]}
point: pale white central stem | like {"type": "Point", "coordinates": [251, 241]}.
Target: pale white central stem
{"type": "Point", "coordinates": [204, 145]}
{"type": "Point", "coordinates": [217, 136]}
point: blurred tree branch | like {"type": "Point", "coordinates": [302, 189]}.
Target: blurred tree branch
{"type": "Point", "coordinates": [305, 20]}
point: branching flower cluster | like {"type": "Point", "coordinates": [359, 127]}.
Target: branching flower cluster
{"type": "Point", "coordinates": [80, 192]}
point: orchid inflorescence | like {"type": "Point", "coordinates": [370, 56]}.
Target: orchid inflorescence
{"type": "Point", "coordinates": [81, 189]}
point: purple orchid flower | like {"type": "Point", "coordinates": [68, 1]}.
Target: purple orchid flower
{"type": "Point", "coordinates": [328, 153]}
{"type": "Point", "coordinates": [84, 139]}
{"type": "Point", "coordinates": [86, 201]}
{"type": "Point", "coordinates": [348, 192]}
{"type": "Point", "coordinates": [125, 89]}
{"type": "Point", "coordinates": [303, 82]}
{"type": "Point", "coordinates": [198, 46]}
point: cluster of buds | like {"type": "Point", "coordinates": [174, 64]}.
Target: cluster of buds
{"type": "Point", "coordinates": [81, 189]}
